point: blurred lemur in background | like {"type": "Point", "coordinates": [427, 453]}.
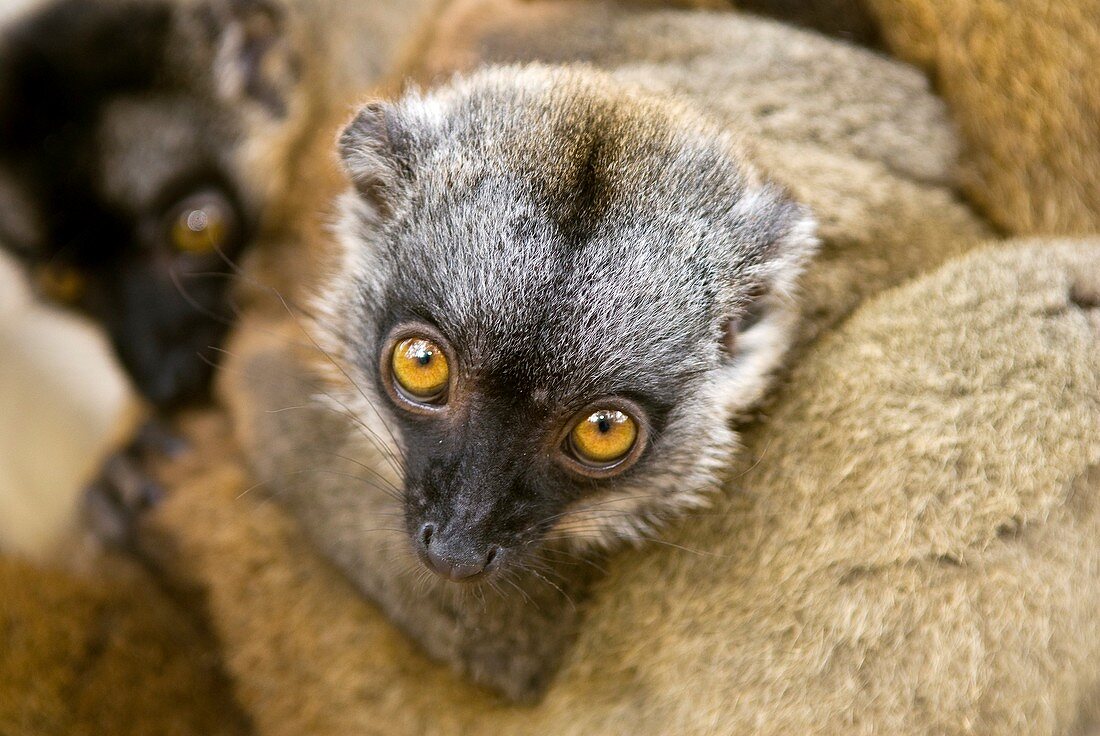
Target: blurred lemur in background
{"type": "Point", "coordinates": [126, 190]}
{"type": "Point", "coordinates": [144, 145]}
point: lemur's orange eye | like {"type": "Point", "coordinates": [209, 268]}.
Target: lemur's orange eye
{"type": "Point", "coordinates": [420, 369]}
{"type": "Point", "coordinates": [200, 224]}
{"type": "Point", "coordinates": [63, 284]}
{"type": "Point", "coordinates": [603, 437]}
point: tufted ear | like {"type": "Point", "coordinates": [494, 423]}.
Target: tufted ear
{"type": "Point", "coordinates": [375, 148]}
{"type": "Point", "coordinates": [759, 325]}
{"type": "Point", "coordinates": [771, 239]}
{"type": "Point", "coordinates": [255, 58]}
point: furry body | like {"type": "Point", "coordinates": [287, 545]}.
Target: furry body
{"type": "Point", "coordinates": [1025, 94]}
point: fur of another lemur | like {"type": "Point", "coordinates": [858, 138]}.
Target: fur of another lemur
{"type": "Point", "coordinates": [312, 459]}
{"type": "Point", "coordinates": [109, 655]}
{"type": "Point", "coordinates": [1023, 87]}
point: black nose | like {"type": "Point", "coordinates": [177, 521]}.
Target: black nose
{"type": "Point", "coordinates": [452, 559]}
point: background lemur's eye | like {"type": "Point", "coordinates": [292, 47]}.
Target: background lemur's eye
{"type": "Point", "coordinates": [61, 283]}
{"type": "Point", "coordinates": [603, 437]}
{"type": "Point", "coordinates": [201, 223]}
{"type": "Point", "coordinates": [420, 369]}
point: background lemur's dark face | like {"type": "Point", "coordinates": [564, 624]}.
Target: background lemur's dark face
{"type": "Point", "coordinates": [122, 187]}
{"type": "Point", "coordinates": [559, 294]}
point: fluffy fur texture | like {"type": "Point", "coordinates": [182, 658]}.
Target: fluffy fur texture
{"type": "Point", "coordinates": [1024, 89]}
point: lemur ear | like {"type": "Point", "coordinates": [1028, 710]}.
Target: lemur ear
{"type": "Point", "coordinates": [375, 150]}
{"type": "Point", "coordinates": [255, 57]}
{"type": "Point", "coordinates": [774, 238]}
{"type": "Point", "coordinates": [762, 314]}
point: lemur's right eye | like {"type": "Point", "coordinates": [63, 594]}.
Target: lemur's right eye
{"type": "Point", "coordinates": [604, 439]}
{"type": "Point", "coordinates": [420, 370]}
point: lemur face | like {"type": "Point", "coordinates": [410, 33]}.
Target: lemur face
{"type": "Point", "coordinates": [557, 293]}
{"type": "Point", "coordinates": [122, 186]}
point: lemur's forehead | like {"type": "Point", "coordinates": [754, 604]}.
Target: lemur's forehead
{"type": "Point", "coordinates": [567, 131]}
{"type": "Point", "coordinates": [533, 309]}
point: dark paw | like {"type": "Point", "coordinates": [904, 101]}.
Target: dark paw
{"type": "Point", "coordinates": [125, 487]}
{"type": "Point", "coordinates": [116, 499]}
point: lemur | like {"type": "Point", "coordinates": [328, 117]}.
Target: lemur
{"type": "Point", "coordinates": [553, 293]}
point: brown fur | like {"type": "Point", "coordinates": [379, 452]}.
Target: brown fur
{"type": "Point", "coordinates": [109, 655]}
{"type": "Point", "coordinates": [1024, 88]}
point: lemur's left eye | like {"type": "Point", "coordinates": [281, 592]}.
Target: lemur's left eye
{"type": "Point", "coordinates": [420, 370]}
{"type": "Point", "coordinates": [605, 439]}
{"type": "Point", "coordinates": [202, 223]}
{"type": "Point", "coordinates": [63, 284]}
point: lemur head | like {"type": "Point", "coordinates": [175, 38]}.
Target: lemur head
{"type": "Point", "coordinates": [557, 293]}
{"type": "Point", "coordinates": [130, 165]}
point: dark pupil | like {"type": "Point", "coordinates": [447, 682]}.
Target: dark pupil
{"type": "Point", "coordinates": [603, 425]}
{"type": "Point", "coordinates": [424, 357]}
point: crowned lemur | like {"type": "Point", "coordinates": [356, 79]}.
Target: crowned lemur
{"type": "Point", "coordinates": [554, 293]}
